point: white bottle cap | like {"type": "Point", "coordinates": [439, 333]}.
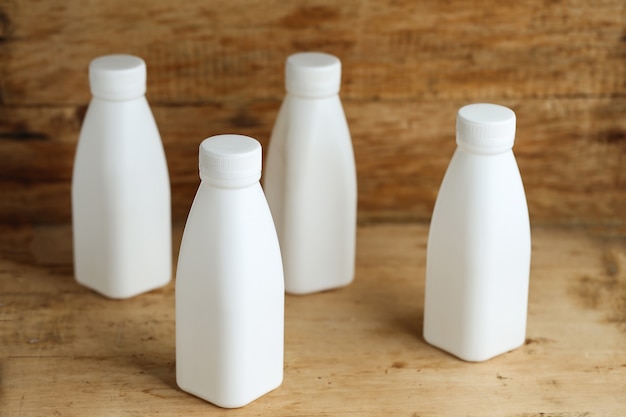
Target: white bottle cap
{"type": "Point", "coordinates": [485, 128]}
{"type": "Point", "coordinates": [313, 74]}
{"type": "Point", "coordinates": [230, 160]}
{"type": "Point", "coordinates": [117, 77]}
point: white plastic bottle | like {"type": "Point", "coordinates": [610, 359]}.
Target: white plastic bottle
{"type": "Point", "coordinates": [478, 255]}
{"type": "Point", "coordinates": [310, 177]}
{"type": "Point", "coordinates": [229, 282]}
{"type": "Point", "coordinates": [120, 186]}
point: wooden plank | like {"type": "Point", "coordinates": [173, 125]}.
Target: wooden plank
{"type": "Point", "coordinates": [401, 50]}
{"type": "Point", "coordinates": [356, 351]}
{"type": "Point", "coordinates": [217, 67]}
{"type": "Point", "coordinates": [571, 153]}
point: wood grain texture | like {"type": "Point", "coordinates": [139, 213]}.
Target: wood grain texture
{"type": "Point", "coordinates": [217, 67]}
{"type": "Point", "coordinates": [573, 173]}
{"type": "Point", "coordinates": [212, 51]}
{"type": "Point", "coordinates": [355, 351]}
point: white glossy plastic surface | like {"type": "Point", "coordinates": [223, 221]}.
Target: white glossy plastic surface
{"type": "Point", "coordinates": [310, 184]}
{"type": "Point", "coordinates": [121, 197]}
{"type": "Point", "coordinates": [478, 255]}
{"type": "Point", "coordinates": [229, 282]}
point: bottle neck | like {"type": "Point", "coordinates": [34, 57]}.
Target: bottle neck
{"type": "Point", "coordinates": [233, 183]}
{"type": "Point", "coordinates": [482, 150]}
{"type": "Point", "coordinates": [112, 99]}
{"type": "Point", "coordinates": [312, 95]}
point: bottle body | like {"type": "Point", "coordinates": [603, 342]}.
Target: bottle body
{"type": "Point", "coordinates": [478, 258]}
{"type": "Point", "coordinates": [230, 275]}
{"type": "Point", "coordinates": [310, 184]}
{"type": "Point", "coordinates": [121, 201]}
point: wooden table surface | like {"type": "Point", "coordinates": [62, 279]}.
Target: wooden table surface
{"type": "Point", "coordinates": [66, 351]}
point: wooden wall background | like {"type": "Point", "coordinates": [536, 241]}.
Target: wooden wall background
{"type": "Point", "coordinates": [216, 66]}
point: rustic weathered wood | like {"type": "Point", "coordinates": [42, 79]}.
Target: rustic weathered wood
{"type": "Point", "coordinates": [217, 67]}
{"type": "Point", "coordinates": [571, 153]}
{"type": "Point", "coordinates": [357, 351]}
{"type": "Point", "coordinates": [225, 50]}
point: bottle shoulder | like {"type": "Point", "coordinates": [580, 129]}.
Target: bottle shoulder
{"type": "Point", "coordinates": [215, 206]}
{"type": "Point", "coordinates": [482, 170]}
{"type": "Point", "coordinates": [311, 123]}
{"type": "Point", "coordinates": [480, 191]}
{"type": "Point", "coordinates": [119, 120]}
{"type": "Point", "coordinates": [228, 222]}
